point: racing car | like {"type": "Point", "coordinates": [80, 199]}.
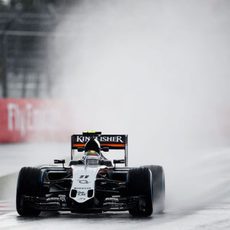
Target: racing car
{"type": "Point", "coordinates": [92, 183]}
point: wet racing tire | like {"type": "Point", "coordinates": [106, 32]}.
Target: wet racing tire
{"type": "Point", "coordinates": [158, 188]}
{"type": "Point", "coordinates": [140, 188]}
{"type": "Point", "coordinates": [29, 184]}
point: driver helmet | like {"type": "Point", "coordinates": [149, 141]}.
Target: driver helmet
{"type": "Point", "coordinates": [92, 145]}
{"type": "Point", "coordinates": [92, 152]}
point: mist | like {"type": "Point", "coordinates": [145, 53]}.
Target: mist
{"type": "Point", "coordinates": [159, 72]}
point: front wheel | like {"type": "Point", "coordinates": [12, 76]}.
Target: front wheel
{"type": "Point", "coordinates": [140, 185]}
{"type": "Point", "coordinates": [158, 188]}
{"type": "Point", "coordinates": [29, 184]}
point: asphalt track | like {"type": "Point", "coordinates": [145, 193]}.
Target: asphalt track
{"type": "Point", "coordinates": [211, 217]}
{"type": "Point", "coordinates": [214, 215]}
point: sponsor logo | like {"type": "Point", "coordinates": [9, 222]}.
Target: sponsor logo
{"type": "Point", "coordinates": [81, 193]}
{"type": "Point", "coordinates": [101, 139]}
{"type": "Point", "coordinates": [84, 176]}
{"type": "Point", "coordinates": [116, 139]}
{"type": "Point", "coordinates": [82, 139]}
{"type": "Point", "coordinates": [83, 181]}
{"type": "Point", "coordinates": [81, 188]}
{"type": "Point", "coordinates": [28, 117]}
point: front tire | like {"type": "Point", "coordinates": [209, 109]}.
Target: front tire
{"type": "Point", "coordinates": [140, 185]}
{"type": "Point", "coordinates": [29, 184]}
{"type": "Point", "coordinates": [158, 188]}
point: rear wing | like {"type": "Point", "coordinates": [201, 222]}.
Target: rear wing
{"type": "Point", "coordinates": [117, 142]}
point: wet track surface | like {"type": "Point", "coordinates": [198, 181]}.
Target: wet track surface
{"type": "Point", "coordinates": [210, 217]}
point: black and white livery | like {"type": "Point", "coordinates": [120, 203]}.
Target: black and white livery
{"type": "Point", "coordinates": [92, 183]}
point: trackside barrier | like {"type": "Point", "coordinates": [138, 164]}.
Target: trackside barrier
{"type": "Point", "coordinates": [31, 119]}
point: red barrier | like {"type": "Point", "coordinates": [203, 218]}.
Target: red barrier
{"type": "Point", "coordinates": [26, 119]}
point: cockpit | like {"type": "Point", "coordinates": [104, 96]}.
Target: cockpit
{"type": "Point", "coordinates": [91, 158]}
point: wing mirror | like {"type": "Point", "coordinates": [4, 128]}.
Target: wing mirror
{"type": "Point", "coordinates": [60, 162]}
{"type": "Point", "coordinates": [80, 149]}
{"type": "Point", "coordinates": [105, 149]}
{"type": "Point", "coordinates": [121, 161]}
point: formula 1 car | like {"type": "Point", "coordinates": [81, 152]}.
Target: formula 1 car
{"type": "Point", "coordinates": [92, 183]}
